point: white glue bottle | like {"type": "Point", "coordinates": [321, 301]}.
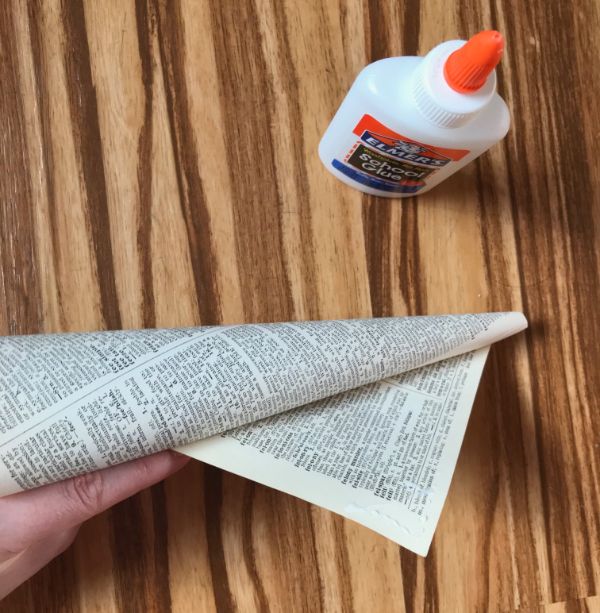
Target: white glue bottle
{"type": "Point", "coordinates": [408, 123]}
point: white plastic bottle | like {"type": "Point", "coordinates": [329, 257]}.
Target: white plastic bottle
{"type": "Point", "coordinates": [408, 123]}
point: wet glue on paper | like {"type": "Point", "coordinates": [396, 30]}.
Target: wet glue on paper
{"type": "Point", "coordinates": [408, 123]}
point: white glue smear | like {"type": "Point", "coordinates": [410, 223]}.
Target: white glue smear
{"type": "Point", "coordinates": [376, 511]}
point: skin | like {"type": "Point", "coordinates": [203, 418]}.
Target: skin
{"type": "Point", "coordinates": [38, 525]}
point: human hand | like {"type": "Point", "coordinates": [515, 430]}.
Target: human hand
{"type": "Point", "coordinates": [39, 524]}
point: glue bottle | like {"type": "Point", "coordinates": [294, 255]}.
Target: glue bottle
{"type": "Point", "coordinates": [408, 123]}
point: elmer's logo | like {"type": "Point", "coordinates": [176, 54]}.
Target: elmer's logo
{"type": "Point", "coordinates": [379, 137]}
{"type": "Point", "coordinates": [406, 150]}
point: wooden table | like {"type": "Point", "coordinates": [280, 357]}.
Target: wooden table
{"type": "Point", "coordinates": [159, 168]}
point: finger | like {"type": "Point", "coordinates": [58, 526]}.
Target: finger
{"type": "Point", "coordinates": [27, 563]}
{"type": "Point", "coordinates": [30, 516]}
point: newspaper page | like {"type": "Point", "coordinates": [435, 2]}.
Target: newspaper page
{"type": "Point", "coordinates": [382, 455]}
{"type": "Point", "coordinates": [73, 403]}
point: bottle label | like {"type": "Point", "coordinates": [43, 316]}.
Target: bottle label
{"type": "Point", "coordinates": [385, 160]}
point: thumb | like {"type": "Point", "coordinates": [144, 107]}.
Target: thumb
{"type": "Point", "coordinates": [30, 516]}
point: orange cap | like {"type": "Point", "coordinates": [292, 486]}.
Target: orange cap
{"type": "Point", "coordinates": [468, 67]}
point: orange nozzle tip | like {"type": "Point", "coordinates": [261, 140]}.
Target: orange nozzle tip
{"type": "Point", "coordinates": [467, 69]}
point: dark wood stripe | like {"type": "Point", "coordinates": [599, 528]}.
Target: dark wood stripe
{"type": "Point", "coordinates": [408, 567]}
{"type": "Point", "coordinates": [21, 600]}
{"type": "Point", "coordinates": [146, 25]}
{"type": "Point", "coordinates": [246, 98]}
{"type": "Point", "coordinates": [377, 219]}
{"type": "Point", "coordinates": [411, 30]}
{"type": "Point", "coordinates": [409, 259]}
{"type": "Point", "coordinates": [312, 594]}
{"type": "Point", "coordinates": [576, 606]}
{"type": "Point", "coordinates": [378, 31]}
{"type": "Point", "coordinates": [491, 488]}
{"type": "Point", "coordinates": [382, 220]}
{"type": "Point", "coordinates": [158, 581]}
{"type": "Point", "coordinates": [19, 282]}
{"type": "Point", "coordinates": [213, 500]}
{"type": "Point", "coordinates": [132, 557]}
{"type": "Point", "coordinates": [432, 598]}
{"type": "Point", "coordinates": [380, 17]}
{"type": "Point", "coordinates": [140, 555]}
{"type": "Point", "coordinates": [60, 576]}
{"type": "Point", "coordinates": [343, 565]}
{"type": "Point", "coordinates": [300, 172]}
{"type": "Point", "coordinates": [191, 191]}
{"type": "Point", "coordinates": [88, 147]}
{"type": "Point", "coordinates": [248, 546]}
{"type": "Point", "coordinates": [40, 63]}
{"type": "Point", "coordinates": [291, 518]}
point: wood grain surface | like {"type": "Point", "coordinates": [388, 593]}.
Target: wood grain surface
{"type": "Point", "coordinates": [158, 167]}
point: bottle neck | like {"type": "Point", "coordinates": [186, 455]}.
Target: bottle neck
{"type": "Point", "coordinates": [437, 101]}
